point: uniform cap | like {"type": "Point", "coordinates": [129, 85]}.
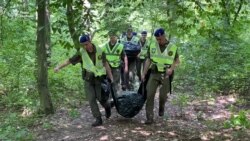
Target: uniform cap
{"type": "Point", "coordinates": [84, 38]}
{"type": "Point", "coordinates": [144, 32]}
{"type": "Point", "coordinates": [159, 32]}
{"type": "Point", "coordinates": [130, 28]}
{"type": "Point", "coordinates": [112, 33]}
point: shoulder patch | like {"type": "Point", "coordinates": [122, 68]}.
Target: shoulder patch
{"type": "Point", "coordinates": [99, 57]}
{"type": "Point", "coordinates": [117, 51]}
{"type": "Point", "coordinates": [170, 53]}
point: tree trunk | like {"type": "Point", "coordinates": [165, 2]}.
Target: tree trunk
{"type": "Point", "coordinates": [71, 24]}
{"type": "Point", "coordinates": [238, 11]}
{"type": "Point", "coordinates": [2, 6]}
{"type": "Point", "coordinates": [1, 30]}
{"type": "Point", "coordinates": [42, 71]}
{"type": "Point", "coordinates": [26, 4]}
{"type": "Point", "coordinates": [48, 44]}
{"type": "Point", "coordinates": [226, 11]}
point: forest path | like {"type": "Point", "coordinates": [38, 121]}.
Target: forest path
{"type": "Point", "coordinates": [201, 120]}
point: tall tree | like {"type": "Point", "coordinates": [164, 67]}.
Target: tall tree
{"type": "Point", "coordinates": [41, 47]}
{"type": "Point", "coordinates": [71, 23]}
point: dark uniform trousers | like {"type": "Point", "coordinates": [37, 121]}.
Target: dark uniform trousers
{"type": "Point", "coordinates": [93, 92]}
{"type": "Point", "coordinates": [156, 79]}
{"type": "Point", "coordinates": [139, 67]}
{"type": "Point", "coordinates": [130, 76]}
{"type": "Point", "coordinates": [116, 77]}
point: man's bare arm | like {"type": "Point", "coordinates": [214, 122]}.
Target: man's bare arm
{"type": "Point", "coordinates": [146, 67]}
{"type": "Point", "coordinates": [108, 70]}
{"type": "Point", "coordinates": [60, 66]}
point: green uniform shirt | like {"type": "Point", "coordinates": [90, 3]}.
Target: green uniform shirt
{"type": "Point", "coordinates": [77, 58]}
{"type": "Point", "coordinates": [162, 49]}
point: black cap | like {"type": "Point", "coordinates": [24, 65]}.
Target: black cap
{"type": "Point", "coordinates": [159, 32]}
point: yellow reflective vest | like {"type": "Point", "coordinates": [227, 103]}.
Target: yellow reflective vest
{"type": "Point", "coordinates": [144, 49]}
{"type": "Point", "coordinates": [162, 59]}
{"type": "Point", "coordinates": [133, 41]}
{"type": "Point", "coordinates": [113, 56]}
{"type": "Point", "coordinates": [98, 68]}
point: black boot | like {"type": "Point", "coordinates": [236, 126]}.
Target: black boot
{"type": "Point", "coordinates": [124, 87]}
{"type": "Point", "coordinates": [149, 121]}
{"type": "Point", "coordinates": [161, 111]}
{"type": "Point", "coordinates": [112, 104]}
{"type": "Point", "coordinates": [108, 110]}
{"type": "Point", "coordinates": [98, 122]}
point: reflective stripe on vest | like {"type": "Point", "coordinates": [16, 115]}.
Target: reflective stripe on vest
{"type": "Point", "coordinates": [144, 49]}
{"type": "Point", "coordinates": [113, 56]}
{"type": "Point", "coordinates": [134, 40]}
{"type": "Point", "coordinates": [98, 69]}
{"type": "Point", "coordinates": [162, 60]}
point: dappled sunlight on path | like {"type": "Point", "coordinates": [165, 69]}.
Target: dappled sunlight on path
{"type": "Point", "coordinates": [200, 120]}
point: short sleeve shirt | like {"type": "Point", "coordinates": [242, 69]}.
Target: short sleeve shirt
{"type": "Point", "coordinates": [77, 58]}
{"type": "Point", "coordinates": [162, 48]}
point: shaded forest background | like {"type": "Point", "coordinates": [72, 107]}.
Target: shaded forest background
{"type": "Point", "coordinates": [213, 38]}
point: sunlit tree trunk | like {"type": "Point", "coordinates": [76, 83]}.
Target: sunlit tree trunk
{"type": "Point", "coordinates": [26, 4]}
{"type": "Point", "coordinates": [42, 70]}
{"type": "Point", "coordinates": [1, 30]}
{"type": "Point", "coordinates": [48, 45]}
{"type": "Point", "coordinates": [2, 5]}
{"type": "Point", "coordinates": [71, 24]}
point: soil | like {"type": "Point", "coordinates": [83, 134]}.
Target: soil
{"type": "Point", "coordinates": [199, 120]}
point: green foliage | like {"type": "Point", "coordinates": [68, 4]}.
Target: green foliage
{"type": "Point", "coordinates": [213, 46]}
{"type": "Point", "coordinates": [66, 86]}
{"type": "Point", "coordinates": [74, 113]}
{"type": "Point", "coordinates": [218, 63]}
{"type": "Point", "coordinates": [181, 100]}
{"type": "Point", "coordinates": [47, 125]}
{"type": "Point", "coordinates": [239, 120]}
{"type": "Point", "coordinates": [15, 128]}
{"type": "Point", "coordinates": [17, 61]}
{"type": "Point", "coordinates": [17, 73]}
{"type": "Point", "coordinates": [19, 100]}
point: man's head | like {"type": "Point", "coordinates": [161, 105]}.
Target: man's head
{"type": "Point", "coordinates": [129, 32]}
{"type": "Point", "coordinates": [112, 36]}
{"type": "Point", "coordinates": [160, 36]}
{"type": "Point", "coordinates": [144, 35]}
{"type": "Point", "coordinates": [85, 42]}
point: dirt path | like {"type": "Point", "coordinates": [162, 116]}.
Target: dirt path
{"type": "Point", "coordinates": [194, 124]}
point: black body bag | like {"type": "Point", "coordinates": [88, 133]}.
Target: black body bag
{"type": "Point", "coordinates": [130, 103]}
{"type": "Point", "coordinates": [105, 89]}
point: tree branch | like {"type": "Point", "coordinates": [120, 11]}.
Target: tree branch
{"type": "Point", "coordinates": [8, 3]}
{"type": "Point", "coordinates": [5, 7]}
{"type": "Point", "coordinates": [227, 13]}
{"type": "Point", "coordinates": [238, 11]}
{"type": "Point", "coordinates": [71, 24]}
{"type": "Point", "coordinates": [198, 3]}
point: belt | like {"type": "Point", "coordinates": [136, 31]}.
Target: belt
{"type": "Point", "coordinates": [156, 71]}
